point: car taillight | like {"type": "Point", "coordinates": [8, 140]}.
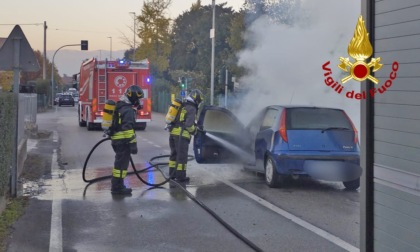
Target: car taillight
{"type": "Point", "coordinates": [356, 134]}
{"type": "Point", "coordinates": [282, 129]}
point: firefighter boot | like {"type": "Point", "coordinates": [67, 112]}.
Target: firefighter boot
{"type": "Point", "coordinates": [181, 176]}
{"type": "Point", "coordinates": [118, 187]}
{"type": "Point", "coordinates": [172, 172]}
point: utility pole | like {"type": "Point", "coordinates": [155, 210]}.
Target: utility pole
{"type": "Point", "coordinates": [110, 48]}
{"type": "Point", "coordinates": [44, 65]}
{"type": "Point", "coordinates": [212, 36]}
{"type": "Point", "coordinates": [134, 37]}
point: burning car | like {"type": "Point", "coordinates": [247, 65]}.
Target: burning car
{"type": "Point", "coordinates": [282, 142]}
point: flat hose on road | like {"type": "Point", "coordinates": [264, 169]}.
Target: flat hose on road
{"type": "Point", "coordinates": [167, 179]}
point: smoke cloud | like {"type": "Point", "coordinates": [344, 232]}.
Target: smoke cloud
{"type": "Point", "coordinates": [285, 62]}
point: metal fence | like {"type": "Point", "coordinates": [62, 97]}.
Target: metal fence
{"type": "Point", "coordinates": [8, 126]}
{"type": "Point", "coordinates": [161, 102]}
{"type": "Point", "coordinates": [42, 102]}
{"type": "Point", "coordinates": [28, 107]}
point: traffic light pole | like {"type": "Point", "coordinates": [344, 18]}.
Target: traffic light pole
{"type": "Point", "coordinates": [212, 36]}
{"type": "Point", "coordinates": [84, 47]}
{"type": "Point", "coordinates": [226, 87]}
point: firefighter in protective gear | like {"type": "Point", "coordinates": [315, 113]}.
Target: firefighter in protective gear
{"type": "Point", "coordinates": [123, 138]}
{"type": "Point", "coordinates": [180, 136]}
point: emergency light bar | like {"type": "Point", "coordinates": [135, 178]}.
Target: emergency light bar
{"type": "Point", "coordinates": [123, 64]}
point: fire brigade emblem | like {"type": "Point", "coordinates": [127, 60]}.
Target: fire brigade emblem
{"type": "Point", "coordinates": [360, 49]}
{"type": "Point", "coordinates": [120, 81]}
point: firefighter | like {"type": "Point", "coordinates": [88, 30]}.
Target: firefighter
{"type": "Point", "coordinates": [181, 131]}
{"type": "Point", "coordinates": [123, 138]}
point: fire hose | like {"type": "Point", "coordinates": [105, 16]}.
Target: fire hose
{"type": "Point", "coordinates": [167, 179]}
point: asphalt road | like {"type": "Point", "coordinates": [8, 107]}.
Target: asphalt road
{"type": "Point", "coordinates": [67, 214]}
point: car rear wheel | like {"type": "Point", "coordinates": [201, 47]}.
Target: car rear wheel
{"type": "Point", "coordinates": [272, 178]}
{"type": "Point", "coordinates": [352, 185]}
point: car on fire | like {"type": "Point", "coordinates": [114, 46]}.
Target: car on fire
{"type": "Point", "coordinates": [283, 142]}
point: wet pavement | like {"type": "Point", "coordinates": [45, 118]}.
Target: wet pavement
{"type": "Point", "coordinates": [67, 214]}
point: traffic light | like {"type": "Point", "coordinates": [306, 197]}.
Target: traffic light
{"type": "Point", "coordinates": [182, 83]}
{"type": "Point", "coordinates": [222, 74]}
{"type": "Point", "coordinates": [84, 45]}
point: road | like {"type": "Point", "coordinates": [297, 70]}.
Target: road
{"type": "Point", "coordinates": [67, 214]}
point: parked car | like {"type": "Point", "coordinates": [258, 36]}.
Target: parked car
{"type": "Point", "coordinates": [76, 97]}
{"type": "Point", "coordinates": [66, 99]}
{"type": "Point", "coordinates": [57, 96]}
{"type": "Point", "coordinates": [283, 142]}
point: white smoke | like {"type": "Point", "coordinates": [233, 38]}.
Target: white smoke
{"type": "Point", "coordinates": [285, 62]}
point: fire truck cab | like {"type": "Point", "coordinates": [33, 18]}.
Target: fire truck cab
{"type": "Point", "coordinates": [100, 81]}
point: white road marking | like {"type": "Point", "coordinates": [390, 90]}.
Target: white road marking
{"type": "Point", "coordinates": [56, 233]}
{"type": "Point", "coordinates": [324, 234]}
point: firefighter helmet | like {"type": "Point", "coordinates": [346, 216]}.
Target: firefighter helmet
{"type": "Point", "coordinates": [134, 94]}
{"type": "Point", "coordinates": [196, 96]}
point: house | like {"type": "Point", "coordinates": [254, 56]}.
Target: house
{"type": "Point", "coordinates": [390, 129]}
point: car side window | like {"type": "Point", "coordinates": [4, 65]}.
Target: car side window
{"type": "Point", "coordinates": [269, 119]}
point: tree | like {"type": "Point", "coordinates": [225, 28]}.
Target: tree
{"type": "Point", "coordinates": [282, 12]}
{"type": "Point", "coordinates": [154, 31]}
{"type": "Point", "coordinates": [191, 45]}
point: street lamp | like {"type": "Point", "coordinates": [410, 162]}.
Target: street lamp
{"type": "Point", "coordinates": [110, 48]}
{"type": "Point", "coordinates": [134, 37]}
{"type": "Point", "coordinates": [84, 46]}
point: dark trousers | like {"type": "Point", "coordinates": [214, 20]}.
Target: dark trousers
{"type": "Point", "coordinates": [179, 152]}
{"type": "Point", "coordinates": [122, 159]}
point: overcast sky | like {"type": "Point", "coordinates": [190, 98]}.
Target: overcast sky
{"type": "Point", "coordinates": [71, 21]}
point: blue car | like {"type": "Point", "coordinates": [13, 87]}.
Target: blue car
{"type": "Point", "coordinates": [283, 142]}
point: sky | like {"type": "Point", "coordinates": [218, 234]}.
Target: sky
{"type": "Point", "coordinates": [69, 22]}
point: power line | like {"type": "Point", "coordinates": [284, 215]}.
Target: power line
{"type": "Point", "coordinates": [71, 30]}
{"type": "Point", "coordinates": [25, 24]}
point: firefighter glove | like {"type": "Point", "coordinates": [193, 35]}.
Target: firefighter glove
{"type": "Point", "coordinates": [200, 129]}
{"type": "Point", "coordinates": [133, 148]}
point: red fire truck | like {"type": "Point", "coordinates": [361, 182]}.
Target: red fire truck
{"type": "Point", "coordinates": [108, 79]}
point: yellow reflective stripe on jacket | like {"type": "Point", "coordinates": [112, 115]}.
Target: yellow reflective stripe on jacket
{"type": "Point", "coordinates": [177, 131]}
{"type": "Point", "coordinates": [116, 173]}
{"type": "Point", "coordinates": [191, 129]}
{"type": "Point", "coordinates": [126, 134]}
{"type": "Point", "coordinates": [182, 114]}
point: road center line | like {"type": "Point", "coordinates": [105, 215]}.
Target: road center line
{"type": "Point", "coordinates": [324, 234]}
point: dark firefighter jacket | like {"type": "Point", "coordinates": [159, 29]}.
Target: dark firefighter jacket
{"type": "Point", "coordinates": [123, 124]}
{"type": "Point", "coordinates": [186, 120]}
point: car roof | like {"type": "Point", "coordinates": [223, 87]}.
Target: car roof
{"type": "Point", "coordinates": [300, 106]}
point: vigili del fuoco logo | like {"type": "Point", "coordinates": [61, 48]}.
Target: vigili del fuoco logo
{"type": "Point", "coordinates": [359, 49]}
